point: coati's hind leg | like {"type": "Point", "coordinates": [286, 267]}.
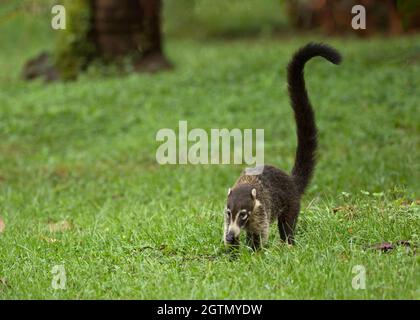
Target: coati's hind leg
{"type": "Point", "coordinates": [286, 223]}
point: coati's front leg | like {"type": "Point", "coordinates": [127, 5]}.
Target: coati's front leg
{"type": "Point", "coordinates": [255, 239]}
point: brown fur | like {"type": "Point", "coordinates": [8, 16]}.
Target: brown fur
{"type": "Point", "coordinates": [255, 201]}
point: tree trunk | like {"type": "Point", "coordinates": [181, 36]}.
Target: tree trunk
{"type": "Point", "coordinates": [334, 16]}
{"type": "Point", "coordinates": [129, 27]}
{"type": "Point", "coordinates": [106, 29]}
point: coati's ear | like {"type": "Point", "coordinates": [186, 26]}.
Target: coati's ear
{"type": "Point", "coordinates": [254, 193]}
{"type": "Point", "coordinates": [229, 191]}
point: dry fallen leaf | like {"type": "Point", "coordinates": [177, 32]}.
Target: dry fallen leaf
{"type": "Point", "coordinates": [387, 246]}
{"type": "Point", "coordinates": [59, 226]}
{"type": "Point", "coordinates": [348, 211]}
{"type": "Point", "coordinates": [408, 202]}
{"type": "Point", "coordinates": [4, 283]}
{"type": "Point", "coordinates": [2, 225]}
{"type": "Point", "coordinates": [61, 172]}
{"type": "Point", "coordinates": [49, 240]}
{"type": "Point", "coordinates": [347, 208]}
{"type": "Point", "coordinates": [384, 246]}
{"type": "Point", "coordinates": [336, 209]}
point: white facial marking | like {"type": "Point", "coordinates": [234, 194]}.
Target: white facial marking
{"type": "Point", "coordinates": [234, 227]}
{"type": "Point", "coordinates": [257, 204]}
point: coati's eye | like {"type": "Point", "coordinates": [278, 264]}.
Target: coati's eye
{"type": "Point", "coordinates": [244, 215]}
{"type": "Point", "coordinates": [227, 211]}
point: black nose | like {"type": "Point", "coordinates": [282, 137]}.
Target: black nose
{"type": "Point", "coordinates": [230, 237]}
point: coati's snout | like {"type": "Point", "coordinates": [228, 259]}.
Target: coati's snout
{"type": "Point", "coordinates": [239, 208]}
{"type": "Point", "coordinates": [231, 239]}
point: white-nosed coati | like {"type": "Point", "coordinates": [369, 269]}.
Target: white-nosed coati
{"type": "Point", "coordinates": [257, 200]}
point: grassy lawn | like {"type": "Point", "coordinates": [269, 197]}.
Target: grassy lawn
{"type": "Point", "coordinates": [80, 186]}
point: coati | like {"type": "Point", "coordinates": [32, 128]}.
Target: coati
{"type": "Point", "coordinates": [255, 201]}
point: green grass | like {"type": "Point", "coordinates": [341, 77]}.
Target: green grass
{"type": "Point", "coordinates": [84, 152]}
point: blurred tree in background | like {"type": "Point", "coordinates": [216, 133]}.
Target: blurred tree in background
{"type": "Point", "coordinates": [105, 30]}
{"type": "Point", "coordinates": [334, 16]}
{"type": "Point", "coordinates": [129, 27]}
{"type": "Point", "coordinates": [121, 31]}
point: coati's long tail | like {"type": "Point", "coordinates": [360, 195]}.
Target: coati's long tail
{"type": "Point", "coordinates": [304, 114]}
